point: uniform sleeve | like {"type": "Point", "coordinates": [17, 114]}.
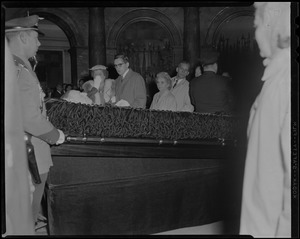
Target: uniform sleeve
{"type": "Point", "coordinates": [35, 122]}
{"type": "Point", "coordinates": [140, 93]}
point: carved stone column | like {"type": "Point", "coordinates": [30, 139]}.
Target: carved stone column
{"type": "Point", "coordinates": [97, 46]}
{"type": "Point", "coordinates": [191, 36]}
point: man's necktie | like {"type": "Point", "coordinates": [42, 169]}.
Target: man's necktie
{"type": "Point", "coordinates": [176, 81]}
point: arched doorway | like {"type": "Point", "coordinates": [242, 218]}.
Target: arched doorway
{"type": "Point", "coordinates": [233, 33]}
{"type": "Point", "coordinates": [148, 46]}
{"type": "Point", "coordinates": [54, 65]}
{"type": "Point", "coordinates": [64, 26]}
{"type": "Point", "coordinates": [150, 39]}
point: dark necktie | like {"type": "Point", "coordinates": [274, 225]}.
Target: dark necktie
{"type": "Point", "coordinates": [176, 81]}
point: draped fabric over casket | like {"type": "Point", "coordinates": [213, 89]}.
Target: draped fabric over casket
{"type": "Point", "coordinates": [135, 171]}
{"type": "Point", "coordinates": [87, 120]}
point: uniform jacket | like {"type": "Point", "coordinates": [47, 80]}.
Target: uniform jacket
{"type": "Point", "coordinates": [210, 93]}
{"type": "Point", "coordinates": [181, 93]}
{"type": "Point", "coordinates": [166, 102]}
{"type": "Point", "coordinates": [132, 89]}
{"type": "Point", "coordinates": [34, 114]}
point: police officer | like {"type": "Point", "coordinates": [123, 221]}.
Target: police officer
{"type": "Point", "coordinates": [22, 36]}
{"type": "Point", "coordinates": [210, 92]}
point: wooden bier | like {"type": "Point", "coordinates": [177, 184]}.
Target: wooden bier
{"type": "Point", "coordinates": [134, 186]}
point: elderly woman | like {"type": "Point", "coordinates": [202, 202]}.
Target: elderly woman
{"type": "Point", "coordinates": [266, 201]}
{"type": "Point", "coordinates": [95, 92]}
{"type": "Point", "coordinates": [103, 89]}
{"type": "Point", "coordinates": [164, 99]}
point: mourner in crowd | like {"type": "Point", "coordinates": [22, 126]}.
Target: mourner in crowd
{"type": "Point", "coordinates": [58, 92]}
{"type": "Point", "coordinates": [103, 85]}
{"type": "Point", "coordinates": [210, 92]}
{"type": "Point", "coordinates": [180, 87]}
{"type": "Point", "coordinates": [96, 92]}
{"type": "Point", "coordinates": [198, 71]}
{"type": "Point", "coordinates": [164, 99]}
{"type": "Point", "coordinates": [266, 201]}
{"type": "Point", "coordinates": [68, 87]}
{"type": "Point", "coordinates": [130, 85]}
{"type": "Point", "coordinates": [22, 35]}
{"type": "Point", "coordinates": [80, 83]}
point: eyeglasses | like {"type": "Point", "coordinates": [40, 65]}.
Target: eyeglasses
{"type": "Point", "coordinates": [184, 70]}
{"type": "Point", "coordinates": [119, 65]}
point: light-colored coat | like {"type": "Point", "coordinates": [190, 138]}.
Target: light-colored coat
{"type": "Point", "coordinates": [181, 93]}
{"type": "Point", "coordinates": [166, 101]}
{"type": "Point", "coordinates": [266, 202]}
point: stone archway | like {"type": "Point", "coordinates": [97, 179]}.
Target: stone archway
{"type": "Point", "coordinates": [65, 23]}
{"type": "Point", "coordinates": [150, 15]}
{"type": "Point", "coordinates": [157, 55]}
{"type": "Point", "coordinates": [221, 19]}
{"type": "Point", "coordinates": [233, 33]}
{"type": "Point", "coordinates": [61, 19]}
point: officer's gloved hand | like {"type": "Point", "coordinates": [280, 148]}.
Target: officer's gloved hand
{"type": "Point", "coordinates": [61, 137]}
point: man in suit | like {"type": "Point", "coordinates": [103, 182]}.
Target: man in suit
{"type": "Point", "coordinates": [130, 85]}
{"type": "Point", "coordinates": [58, 92]}
{"type": "Point", "coordinates": [22, 36]}
{"type": "Point", "coordinates": [180, 87]}
{"type": "Point", "coordinates": [210, 92]}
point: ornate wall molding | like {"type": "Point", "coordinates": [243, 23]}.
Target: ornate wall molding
{"type": "Point", "coordinates": [138, 15]}
{"type": "Point", "coordinates": [225, 15]}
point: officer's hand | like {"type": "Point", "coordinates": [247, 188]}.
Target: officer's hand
{"type": "Point", "coordinates": [61, 137]}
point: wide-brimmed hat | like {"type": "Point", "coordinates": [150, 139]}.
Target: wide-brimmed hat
{"type": "Point", "coordinates": [98, 67]}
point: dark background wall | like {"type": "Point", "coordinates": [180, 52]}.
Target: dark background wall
{"type": "Point", "coordinates": [154, 38]}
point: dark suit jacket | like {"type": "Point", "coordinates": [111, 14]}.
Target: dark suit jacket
{"type": "Point", "coordinates": [132, 89]}
{"type": "Point", "coordinates": [56, 94]}
{"type": "Point", "coordinates": [210, 93]}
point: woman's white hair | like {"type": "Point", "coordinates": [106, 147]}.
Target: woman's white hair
{"type": "Point", "coordinates": [275, 16]}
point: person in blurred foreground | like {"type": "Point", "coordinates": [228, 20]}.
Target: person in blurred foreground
{"type": "Point", "coordinates": [266, 200]}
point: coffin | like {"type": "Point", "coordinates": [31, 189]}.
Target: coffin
{"type": "Point", "coordinates": [125, 171]}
